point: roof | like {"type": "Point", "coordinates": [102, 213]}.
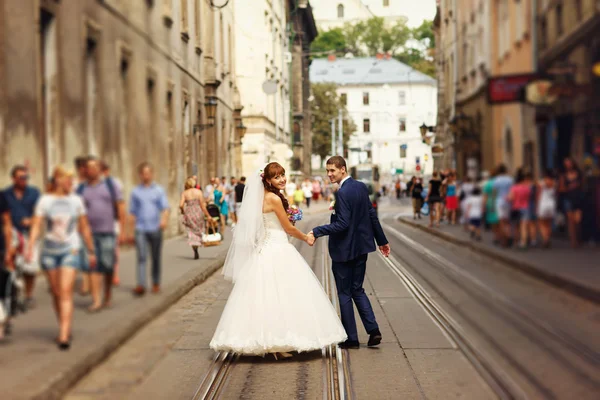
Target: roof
{"type": "Point", "coordinates": [365, 71]}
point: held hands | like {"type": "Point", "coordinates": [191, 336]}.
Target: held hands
{"type": "Point", "coordinates": [310, 238]}
{"type": "Point", "coordinates": [385, 250]}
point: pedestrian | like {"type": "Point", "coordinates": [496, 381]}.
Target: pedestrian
{"type": "Point", "coordinates": [290, 189]}
{"type": "Point", "coordinates": [239, 192]}
{"type": "Point", "coordinates": [221, 202]}
{"type": "Point", "coordinates": [63, 215]}
{"type": "Point", "coordinates": [103, 200]}
{"type": "Point", "coordinates": [434, 199]}
{"type": "Point", "coordinates": [316, 190]}
{"type": "Point", "coordinates": [209, 191]}
{"type": "Point", "coordinates": [466, 189]}
{"type": "Point", "coordinates": [451, 198]}
{"type": "Point", "coordinates": [502, 184]}
{"type": "Point", "coordinates": [571, 187]}
{"type": "Point", "coordinates": [416, 189]}
{"type": "Point", "coordinates": [298, 196]}
{"type": "Point", "coordinates": [6, 266]}
{"type": "Point", "coordinates": [398, 187]}
{"type": "Point", "coordinates": [80, 168]}
{"type": "Point", "coordinates": [230, 189]}
{"type": "Point", "coordinates": [192, 206]}
{"type": "Point", "coordinates": [546, 207]}
{"type": "Point", "coordinates": [474, 206]}
{"type": "Point", "coordinates": [149, 210]}
{"type": "Point", "coordinates": [307, 188]}
{"type": "Point", "coordinates": [489, 199]}
{"type": "Point", "coordinates": [22, 198]}
{"type": "Point", "coordinates": [519, 196]}
{"type": "Point", "coordinates": [105, 168]}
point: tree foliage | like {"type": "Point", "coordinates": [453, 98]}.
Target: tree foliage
{"type": "Point", "coordinates": [367, 38]}
{"type": "Point", "coordinates": [333, 40]}
{"type": "Point", "coordinates": [324, 107]}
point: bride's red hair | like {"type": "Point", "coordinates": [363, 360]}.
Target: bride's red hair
{"type": "Point", "coordinates": [271, 171]}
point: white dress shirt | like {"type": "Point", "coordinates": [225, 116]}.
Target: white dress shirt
{"type": "Point", "coordinates": [344, 180]}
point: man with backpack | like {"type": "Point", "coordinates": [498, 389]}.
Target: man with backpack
{"type": "Point", "coordinates": [104, 203]}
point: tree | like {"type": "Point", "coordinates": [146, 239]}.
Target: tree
{"type": "Point", "coordinates": [419, 54]}
{"type": "Point", "coordinates": [324, 107]}
{"type": "Point", "coordinates": [332, 40]}
{"type": "Point", "coordinates": [377, 37]}
{"type": "Point", "coordinates": [353, 34]}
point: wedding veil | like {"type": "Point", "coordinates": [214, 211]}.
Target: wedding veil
{"type": "Point", "coordinates": [249, 230]}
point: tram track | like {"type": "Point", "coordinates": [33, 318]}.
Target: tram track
{"type": "Point", "coordinates": [336, 371]}
{"type": "Point", "coordinates": [544, 336]}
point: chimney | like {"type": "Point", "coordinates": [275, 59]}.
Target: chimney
{"type": "Point", "coordinates": [331, 57]}
{"type": "Point", "coordinates": [379, 56]}
{"type": "Point", "coordinates": [388, 56]}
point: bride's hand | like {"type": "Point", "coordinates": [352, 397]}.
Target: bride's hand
{"type": "Point", "coordinates": [310, 239]}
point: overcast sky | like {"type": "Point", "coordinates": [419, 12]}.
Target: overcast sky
{"type": "Point", "coordinates": [418, 10]}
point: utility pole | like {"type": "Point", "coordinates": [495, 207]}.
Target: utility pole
{"type": "Point", "coordinates": [340, 134]}
{"type": "Point", "coordinates": [332, 136]}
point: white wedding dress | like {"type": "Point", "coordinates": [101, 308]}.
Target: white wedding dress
{"type": "Point", "coordinates": [277, 303]}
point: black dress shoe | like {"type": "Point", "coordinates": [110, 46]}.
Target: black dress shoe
{"type": "Point", "coordinates": [374, 338]}
{"type": "Point", "coordinates": [349, 344]}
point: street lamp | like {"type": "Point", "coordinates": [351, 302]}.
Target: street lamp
{"type": "Point", "coordinates": [240, 129]}
{"type": "Point", "coordinates": [210, 106]}
{"type": "Point", "coordinates": [423, 129]}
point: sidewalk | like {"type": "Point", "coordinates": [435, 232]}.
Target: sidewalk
{"type": "Point", "coordinates": [31, 366]}
{"type": "Point", "coordinates": [575, 270]}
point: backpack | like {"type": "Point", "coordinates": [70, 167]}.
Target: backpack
{"type": "Point", "coordinates": [113, 194]}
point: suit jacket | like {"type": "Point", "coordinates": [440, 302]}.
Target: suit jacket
{"type": "Point", "coordinates": [354, 226]}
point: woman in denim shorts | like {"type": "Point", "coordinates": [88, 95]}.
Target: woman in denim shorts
{"type": "Point", "coordinates": [64, 217]}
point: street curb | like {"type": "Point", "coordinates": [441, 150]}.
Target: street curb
{"type": "Point", "coordinates": [57, 386]}
{"type": "Point", "coordinates": [574, 288]}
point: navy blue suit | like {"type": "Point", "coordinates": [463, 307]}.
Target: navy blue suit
{"type": "Point", "coordinates": [353, 231]}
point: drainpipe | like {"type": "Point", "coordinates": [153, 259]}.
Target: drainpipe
{"type": "Point", "coordinates": [455, 83]}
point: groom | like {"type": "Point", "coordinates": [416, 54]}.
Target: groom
{"type": "Point", "coordinates": [353, 231]}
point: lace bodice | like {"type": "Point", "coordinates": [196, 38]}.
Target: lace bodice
{"type": "Point", "coordinates": [274, 232]}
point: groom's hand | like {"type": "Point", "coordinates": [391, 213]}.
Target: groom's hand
{"type": "Point", "coordinates": [310, 238]}
{"type": "Point", "coordinates": [385, 250]}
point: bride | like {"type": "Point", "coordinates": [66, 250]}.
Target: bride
{"type": "Point", "coordinates": [277, 304]}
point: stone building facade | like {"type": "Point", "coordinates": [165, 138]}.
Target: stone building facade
{"type": "Point", "coordinates": [513, 54]}
{"type": "Point", "coordinates": [303, 33]}
{"type": "Point", "coordinates": [262, 70]}
{"type": "Point", "coordinates": [569, 56]}
{"type": "Point", "coordinates": [124, 80]}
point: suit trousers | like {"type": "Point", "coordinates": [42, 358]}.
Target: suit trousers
{"type": "Point", "coordinates": [349, 277]}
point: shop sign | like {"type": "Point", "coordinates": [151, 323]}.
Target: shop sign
{"type": "Point", "coordinates": [545, 92]}
{"type": "Point", "coordinates": [539, 93]}
{"type": "Point", "coordinates": [508, 88]}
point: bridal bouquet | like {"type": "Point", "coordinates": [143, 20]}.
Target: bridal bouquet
{"type": "Point", "coordinates": [294, 214]}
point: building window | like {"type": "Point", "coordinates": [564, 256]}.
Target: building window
{"type": "Point", "coordinates": [366, 98]}
{"type": "Point", "coordinates": [578, 10]}
{"type": "Point", "coordinates": [48, 70]}
{"type": "Point", "coordinates": [197, 19]}
{"type": "Point", "coordinates": [340, 11]}
{"type": "Point", "coordinates": [403, 151]}
{"type": "Point", "coordinates": [91, 96]}
{"type": "Point", "coordinates": [366, 125]}
{"type": "Point", "coordinates": [559, 19]}
{"type": "Point", "coordinates": [543, 33]}
{"type": "Point", "coordinates": [402, 98]}
{"type": "Point", "coordinates": [386, 3]}
{"type": "Point", "coordinates": [402, 124]}
{"type": "Point", "coordinates": [344, 99]}
{"type": "Point", "coordinates": [520, 22]}
{"type": "Point", "coordinates": [184, 21]}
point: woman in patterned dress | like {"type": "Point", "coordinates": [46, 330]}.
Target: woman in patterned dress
{"type": "Point", "coordinates": [193, 210]}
